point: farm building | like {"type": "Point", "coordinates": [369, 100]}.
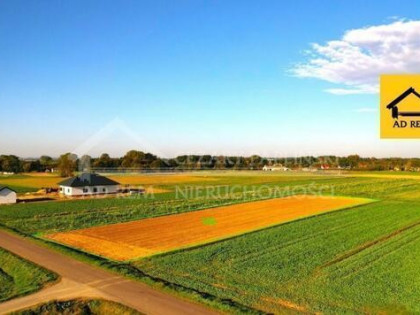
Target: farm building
{"type": "Point", "coordinates": [7, 195]}
{"type": "Point", "coordinates": [275, 168]}
{"type": "Point", "coordinates": [88, 184]}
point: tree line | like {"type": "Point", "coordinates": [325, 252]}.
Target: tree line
{"type": "Point", "coordinates": [68, 163]}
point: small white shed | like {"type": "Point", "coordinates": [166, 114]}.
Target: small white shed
{"type": "Point", "coordinates": [7, 195]}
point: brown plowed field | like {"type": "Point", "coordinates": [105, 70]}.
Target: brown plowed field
{"type": "Point", "coordinates": [126, 241]}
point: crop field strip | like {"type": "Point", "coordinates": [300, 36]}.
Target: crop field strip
{"type": "Point", "coordinates": [348, 265]}
{"type": "Point", "coordinates": [136, 239]}
{"type": "Point", "coordinates": [413, 226]}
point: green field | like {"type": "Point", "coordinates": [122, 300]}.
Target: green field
{"type": "Point", "coordinates": [23, 183]}
{"type": "Point", "coordinates": [19, 277]}
{"type": "Point", "coordinates": [358, 260]}
{"type": "Point", "coordinates": [92, 307]}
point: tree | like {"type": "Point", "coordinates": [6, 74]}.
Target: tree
{"type": "Point", "coordinates": [240, 163]}
{"type": "Point", "coordinates": [353, 160]}
{"type": "Point", "coordinates": [220, 162]}
{"type": "Point", "coordinates": [133, 159]}
{"type": "Point", "coordinates": [46, 160]}
{"type": "Point", "coordinates": [255, 161]}
{"type": "Point", "coordinates": [67, 164]}
{"type": "Point", "coordinates": [172, 163]}
{"type": "Point", "coordinates": [158, 164]}
{"type": "Point", "coordinates": [31, 166]}
{"type": "Point", "coordinates": [27, 166]}
{"type": "Point", "coordinates": [103, 161]}
{"type": "Point", "coordinates": [10, 163]}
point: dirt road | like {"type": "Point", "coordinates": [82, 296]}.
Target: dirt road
{"type": "Point", "coordinates": [83, 280]}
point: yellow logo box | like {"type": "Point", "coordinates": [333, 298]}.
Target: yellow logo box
{"type": "Point", "coordinates": [400, 106]}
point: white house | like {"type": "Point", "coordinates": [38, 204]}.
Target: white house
{"type": "Point", "coordinates": [7, 195]}
{"type": "Point", "coordinates": [275, 168]}
{"type": "Point", "coordinates": [88, 184]}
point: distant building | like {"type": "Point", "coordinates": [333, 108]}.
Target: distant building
{"type": "Point", "coordinates": [7, 195]}
{"type": "Point", "coordinates": [88, 184]}
{"type": "Point", "coordinates": [275, 168]}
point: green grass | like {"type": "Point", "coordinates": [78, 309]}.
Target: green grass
{"type": "Point", "coordinates": [362, 260]}
{"type": "Point", "coordinates": [291, 262]}
{"type": "Point", "coordinates": [93, 307]}
{"type": "Point", "coordinates": [19, 277]}
{"type": "Point", "coordinates": [359, 260]}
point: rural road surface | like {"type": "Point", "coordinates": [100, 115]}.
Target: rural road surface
{"type": "Point", "coordinates": [79, 279]}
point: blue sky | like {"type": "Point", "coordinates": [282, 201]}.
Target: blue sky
{"type": "Point", "coordinates": [212, 77]}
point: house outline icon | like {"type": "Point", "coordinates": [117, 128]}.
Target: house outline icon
{"type": "Point", "coordinates": [394, 104]}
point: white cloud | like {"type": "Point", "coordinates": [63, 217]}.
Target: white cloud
{"type": "Point", "coordinates": [361, 89]}
{"type": "Point", "coordinates": [357, 59]}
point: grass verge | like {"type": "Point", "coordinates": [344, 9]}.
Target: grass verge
{"type": "Point", "coordinates": [78, 306]}
{"type": "Point", "coordinates": [20, 277]}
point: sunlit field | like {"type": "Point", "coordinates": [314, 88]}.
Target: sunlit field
{"type": "Point", "coordinates": [31, 182]}
{"type": "Point", "coordinates": [147, 237]}
{"type": "Point", "coordinates": [361, 259]}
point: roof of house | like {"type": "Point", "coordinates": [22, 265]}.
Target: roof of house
{"type": "Point", "coordinates": [403, 96]}
{"type": "Point", "coordinates": [4, 187]}
{"type": "Point", "coordinates": [88, 179]}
